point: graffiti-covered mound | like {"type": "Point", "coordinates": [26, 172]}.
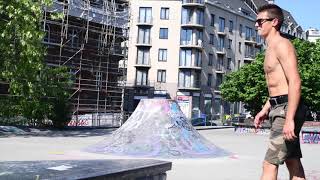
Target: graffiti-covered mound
{"type": "Point", "coordinates": [158, 128]}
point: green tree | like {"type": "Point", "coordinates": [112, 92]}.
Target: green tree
{"type": "Point", "coordinates": [32, 85]}
{"type": "Point", "coordinates": [248, 84]}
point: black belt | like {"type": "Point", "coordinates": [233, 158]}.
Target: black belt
{"type": "Point", "coordinates": [275, 100]}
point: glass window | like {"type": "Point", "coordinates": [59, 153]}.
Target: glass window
{"type": "Point", "coordinates": [229, 64]}
{"type": "Point", "coordinates": [164, 13]}
{"type": "Point", "coordinates": [198, 59]}
{"type": "Point", "coordinates": [145, 15]}
{"type": "Point", "coordinates": [220, 44]}
{"type": "Point", "coordinates": [218, 81]}
{"type": "Point", "coordinates": [221, 24]}
{"type": "Point", "coordinates": [219, 65]}
{"type": "Point", "coordinates": [230, 44]}
{"type": "Point", "coordinates": [141, 77]}
{"type": "Point", "coordinates": [240, 30]}
{"type": "Point", "coordinates": [240, 47]}
{"type": "Point", "coordinates": [184, 78]}
{"type": "Point", "coordinates": [211, 40]}
{"type": "Point", "coordinates": [230, 26]}
{"type": "Point", "coordinates": [209, 80]}
{"type": "Point", "coordinates": [210, 62]}
{"type": "Point", "coordinates": [185, 57]}
{"type": "Point", "coordinates": [186, 37]}
{"type": "Point", "coordinates": [163, 33]}
{"type": "Point", "coordinates": [162, 54]}
{"type": "Point", "coordinates": [143, 56]}
{"type": "Point", "coordinates": [186, 17]}
{"type": "Point", "coordinates": [161, 76]}
{"type": "Point", "coordinates": [144, 36]}
{"type": "Point", "coordinates": [212, 20]}
{"type": "Point", "coordinates": [200, 18]}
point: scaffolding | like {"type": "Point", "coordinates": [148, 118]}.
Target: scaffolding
{"type": "Point", "coordinates": [90, 39]}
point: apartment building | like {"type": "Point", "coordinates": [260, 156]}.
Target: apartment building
{"type": "Point", "coordinates": [312, 34]}
{"type": "Point", "coordinates": [183, 49]}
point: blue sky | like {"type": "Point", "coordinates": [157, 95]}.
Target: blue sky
{"type": "Point", "coordinates": [305, 12]}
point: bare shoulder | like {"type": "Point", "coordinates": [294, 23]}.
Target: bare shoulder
{"type": "Point", "coordinates": [282, 45]}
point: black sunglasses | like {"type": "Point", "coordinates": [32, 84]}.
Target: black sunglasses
{"type": "Point", "coordinates": [261, 21]}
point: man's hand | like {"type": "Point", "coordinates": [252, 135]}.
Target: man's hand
{"type": "Point", "coordinates": [288, 130]}
{"type": "Point", "coordinates": [260, 117]}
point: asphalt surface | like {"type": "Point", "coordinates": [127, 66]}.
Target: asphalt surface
{"type": "Point", "coordinates": [245, 163]}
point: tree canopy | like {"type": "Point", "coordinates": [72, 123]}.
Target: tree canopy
{"type": "Point", "coordinates": [34, 88]}
{"type": "Point", "coordinates": [248, 84]}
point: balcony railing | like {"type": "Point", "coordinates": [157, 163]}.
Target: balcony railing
{"type": "Point", "coordinates": [192, 85]}
{"type": "Point", "coordinates": [222, 31]}
{"type": "Point", "coordinates": [144, 42]}
{"type": "Point", "coordinates": [219, 67]}
{"type": "Point", "coordinates": [250, 39]}
{"type": "Point", "coordinates": [193, 3]}
{"type": "Point", "coordinates": [221, 50]}
{"type": "Point", "coordinates": [148, 22]}
{"type": "Point", "coordinates": [197, 44]}
{"type": "Point", "coordinates": [143, 83]}
{"type": "Point", "coordinates": [192, 24]}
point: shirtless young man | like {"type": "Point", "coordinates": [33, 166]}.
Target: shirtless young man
{"type": "Point", "coordinates": [284, 109]}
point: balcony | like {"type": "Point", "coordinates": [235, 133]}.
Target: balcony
{"type": "Point", "coordinates": [250, 40]}
{"type": "Point", "coordinates": [187, 44]}
{"type": "Point", "coordinates": [192, 24]}
{"type": "Point", "coordinates": [193, 66]}
{"type": "Point", "coordinates": [195, 85]}
{"type": "Point", "coordinates": [142, 65]}
{"type": "Point", "coordinates": [144, 42]}
{"type": "Point", "coordinates": [221, 50]}
{"type": "Point", "coordinates": [222, 31]}
{"type": "Point", "coordinates": [195, 3]}
{"type": "Point", "coordinates": [142, 83]}
{"type": "Point", "coordinates": [249, 57]}
{"type": "Point", "coordinates": [144, 22]}
{"type": "Point", "coordinates": [220, 69]}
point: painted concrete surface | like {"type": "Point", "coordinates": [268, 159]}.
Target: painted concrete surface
{"type": "Point", "coordinates": [158, 129]}
{"type": "Point", "coordinates": [249, 151]}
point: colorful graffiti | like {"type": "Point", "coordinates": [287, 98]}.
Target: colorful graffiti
{"type": "Point", "coordinates": [158, 128]}
{"type": "Point", "coordinates": [310, 137]}
{"type": "Point", "coordinates": [247, 129]}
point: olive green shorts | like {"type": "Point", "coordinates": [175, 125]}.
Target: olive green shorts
{"type": "Point", "coordinates": [280, 149]}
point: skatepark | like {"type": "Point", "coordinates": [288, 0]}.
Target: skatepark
{"type": "Point", "coordinates": [224, 153]}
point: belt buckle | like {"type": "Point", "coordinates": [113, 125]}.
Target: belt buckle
{"type": "Point", "coordinates": [274, 100]}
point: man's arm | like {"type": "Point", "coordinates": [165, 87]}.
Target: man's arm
{"type": "Point", "coordinates": [288, 60]}
{"type": "Point", "coordinates": [262, 115]}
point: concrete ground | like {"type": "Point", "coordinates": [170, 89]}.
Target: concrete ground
{"type": "Point", "coordinates": [248, 149]}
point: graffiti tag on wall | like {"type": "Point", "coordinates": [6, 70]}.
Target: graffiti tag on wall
{"type": "Point", "coordinates": [310, 137]}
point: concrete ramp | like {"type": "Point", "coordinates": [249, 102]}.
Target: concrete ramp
{"type": "Point", "coordinates": [158, 128]}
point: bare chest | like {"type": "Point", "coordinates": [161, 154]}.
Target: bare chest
{"type": "Point", "coordinates": [271, 62]}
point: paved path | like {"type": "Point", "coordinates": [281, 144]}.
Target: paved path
{"type": "Point", "coordinates": [245, 164]}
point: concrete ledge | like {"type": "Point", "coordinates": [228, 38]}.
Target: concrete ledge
{"type": "Point", "coordinates": [140, 169]}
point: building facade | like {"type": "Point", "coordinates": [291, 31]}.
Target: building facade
{"type": "Point", "coordinates": [183, 49]}
{"type": "Point", "coordinates": [312, 34]}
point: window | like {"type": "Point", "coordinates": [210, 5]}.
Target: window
{"type": "Point", "coordinates": [198, 58]}
{"type": "Point", "coordinates": [221, 24]}
{"type": "Point", "coordinates": [249, 33]}
{"type": "Point", "coordinates": [184, 78]}
{"type": "Point", "coordinates": [210, 62]}
{"type": "Point", "coordinates": [74, 41]}
{"type": "Point", "coordinates": [186, 17]}
{"type": "Point", "coordinates": [218, 81]}
{"type": "Point", "coordinates": [163, 33]}
{"type": "Point", "coordinates": [164, 13]}
{"type": "Point", "coordinates": [211, 39]}
{"type": "Point", "coordinates": [229, 63]}
{"type": "Point", "coordinates": [145, 15]}
{"type": "Point", "coordinates": [212, 20]}
{"type": "Point", "coordinates": [220, 44]}
{"type": "Point", "coordinates": [144, 36]}
{"type": "Point", "coordinates": [249, 51]}
{"type": "Point", "coordinates": [186, 37]}
{"type": "Point", "coordinates": [185, 57]}
{"type": "Point", "coordinates": [162, 55]}
{"type": "Point", "coordinates": [200, 17]}
{"type": "Point", "coordinates": [230, 26]}
{"type": "Point", "coordinates": [240, 47]}
{"type": "Point", "coordinates": [161, 76]}
{"type": "Point", "coordinates": [240, 30]}
{"type": "Point", "coordinates": [209, 82]}
{"type": "Point", "coordinates": [46, 38]}
{"type": "Point", "coordinates": [230, 44]}
{"type": "Point", "coordinates": [143, 56]}
{"type": "Point", "coordinates": [220, 64]}
{"type": "Point", "coordinates": [141, 77]}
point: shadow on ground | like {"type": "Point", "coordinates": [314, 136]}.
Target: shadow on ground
{"type": "Point", "coordinates": [14, 131]}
